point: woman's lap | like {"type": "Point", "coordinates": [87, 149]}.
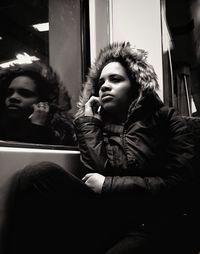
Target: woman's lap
{"type": "Point", "coordinates": [45, 209]}
{"type": "Point", "coordinates": [58, 210]}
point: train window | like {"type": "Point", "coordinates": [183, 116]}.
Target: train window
{"type": "Point", "coordinates": [54, 33]}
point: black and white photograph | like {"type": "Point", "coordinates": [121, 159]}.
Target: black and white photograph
{"type": "Point", "coordinates": [99, 126]}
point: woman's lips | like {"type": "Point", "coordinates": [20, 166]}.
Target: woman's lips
{"type": "Point", "coordinates": [106, 97]}
{"type": "Point", "coordinates": [13, 107]}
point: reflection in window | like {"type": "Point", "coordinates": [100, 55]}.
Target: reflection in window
{"type": "Point", "coordinates": [30, 107]}
{"type": "Point", "coordinates": [55, 33]}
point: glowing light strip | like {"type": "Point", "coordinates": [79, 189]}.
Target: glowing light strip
{"type": "Point", "coordinates": [42, 27]}
{"type": "Point", "coordinates": [32, 150]}
{"type": "Point", "coordinates": [23, 58]}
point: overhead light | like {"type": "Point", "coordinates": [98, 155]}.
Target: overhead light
{"type": "Point", "coordinates": [1, 38]}
{"type": "Point", "coordinates": [23, 58]}
{"type": "Point", "coordinates": [42, 27]}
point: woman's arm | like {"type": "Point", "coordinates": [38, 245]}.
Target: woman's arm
{"type": "Point", "coordinates": [91, 143]}
{"type": "Point", "coordinates": [90, 137]}
{"type": "Point", "coordinates": [175, 172]}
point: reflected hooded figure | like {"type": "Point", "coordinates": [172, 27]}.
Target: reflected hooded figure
{"type": "Point", "coordinates": [30, 108]}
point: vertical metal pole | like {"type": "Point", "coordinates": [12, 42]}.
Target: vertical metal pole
{"type": "Point", "coordinates": [187, 95]}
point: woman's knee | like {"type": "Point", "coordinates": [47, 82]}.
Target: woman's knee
{"type": "Point", "coordinates": [137, 244]}
{"type": "Point", "coordinates": [52, 178]}
{"type": "Point", "coordinates": [39, 168]}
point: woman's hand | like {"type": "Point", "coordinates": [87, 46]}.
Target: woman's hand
{"type": "Point", "coordinates": [94, 181]}
{"type": "Point", "coordinates": [40, 113]}
{"type": "Point", "coordinates": [92, 107]}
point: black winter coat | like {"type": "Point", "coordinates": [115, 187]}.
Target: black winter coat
{"type": "Point", "coordinates": [146, 158]}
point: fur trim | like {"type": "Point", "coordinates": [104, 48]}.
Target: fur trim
{"type": "Point", "coordinates": [135, 62]}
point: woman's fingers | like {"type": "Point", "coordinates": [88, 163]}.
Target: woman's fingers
{"type": "Point", "coordinates": [86, 177]}
{"type": "Point", "coordinates": [43, 106]}
{"type": "Point", "coordinates": [91, 107]}
{"type": "Point", "coordinates": [40, 113]}
{"type": "Point", "coordinates": [93, 100]}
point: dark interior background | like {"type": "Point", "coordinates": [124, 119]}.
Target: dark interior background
{"type": "Point", "coordinates": [16, 31]}
{"type": "Point", "coordinates": [183, 20]}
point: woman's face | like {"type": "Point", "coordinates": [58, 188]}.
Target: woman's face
{"type": "Point", "coordinates": [21, 95]}
{"type": "Point", "coordinates": [116, 90]}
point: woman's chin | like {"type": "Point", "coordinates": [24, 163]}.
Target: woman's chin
{"type": "Point", "coordinates": [16, 116]}
{"type": "Point", "coordinates": [109, 107]}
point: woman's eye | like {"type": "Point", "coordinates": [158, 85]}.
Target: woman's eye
{"type": "Point", "coordinates": [27, 93]}
{"type": "Point", "coordinates": [115, 79]}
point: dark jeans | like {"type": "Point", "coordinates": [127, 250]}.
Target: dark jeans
{"type": "Point", "coordinates": [51, 211]}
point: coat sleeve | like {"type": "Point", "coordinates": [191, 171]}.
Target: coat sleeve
{"type": "Point", "coordinates": [91, 143]}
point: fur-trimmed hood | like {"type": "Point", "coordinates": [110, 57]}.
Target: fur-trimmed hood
{"type": "Point", "coordinates": [135, 62]}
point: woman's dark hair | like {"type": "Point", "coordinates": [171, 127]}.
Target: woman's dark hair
{"type": "Point", "coordinates": [49, 88]}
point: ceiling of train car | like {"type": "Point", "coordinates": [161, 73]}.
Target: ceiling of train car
{"type": "Point", "coordinates": [16, 32]}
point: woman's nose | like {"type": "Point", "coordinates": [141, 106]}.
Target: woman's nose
{"type": "Point", "coordinates": [106, 86]}
{"type": "Point", "coordinates": [14, 97]}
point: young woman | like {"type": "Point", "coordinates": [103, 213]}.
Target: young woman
{"type": "Point", "coordinates": [135, 155]}
{"type": "Point", "coordinates": [29, 106]}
